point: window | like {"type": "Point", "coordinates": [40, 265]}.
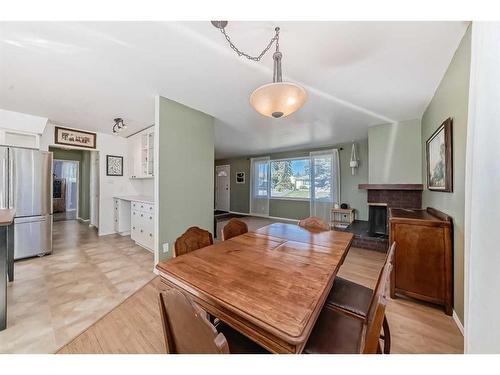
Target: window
{"type": "Point", "coordinates": [290, 178]}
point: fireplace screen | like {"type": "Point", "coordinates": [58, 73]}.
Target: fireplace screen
{"type": "Point", "coordinates": [377, 217]}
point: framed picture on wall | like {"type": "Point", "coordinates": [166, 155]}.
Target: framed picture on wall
{"type": "Point", "coordinates": [240, 177]}
{"type": "Point", "coordinates": [72, 137]}
{"type": "Point", "coordinates": [114, 165]}
{"type": "Point", "coordinates": [439, 156]}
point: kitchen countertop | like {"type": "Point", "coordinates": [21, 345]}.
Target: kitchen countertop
{"type": "Point", "coordinates": [137, 198]}
{"type": "Point", "coordinates": [6, 216]}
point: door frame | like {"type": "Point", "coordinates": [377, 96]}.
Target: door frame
{"type": "Point", "coordinates": [218, 167]}
{"type": "Point", "coordinates": [77, 182]}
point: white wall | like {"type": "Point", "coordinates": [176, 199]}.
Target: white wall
{"type": "Point", "coordinates": [482, 194]}
{"type": "Point", "coordinates": [109, 186]}
{"type": "Point", "coordinates": [394, 153]}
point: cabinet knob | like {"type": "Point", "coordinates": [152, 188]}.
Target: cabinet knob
{"type": "Point", "coordinates": [150, 235]}
{"type": "Point", "coordinates": [142, 215]}
{"type": "Point", "coordinates": [142, 231]}
{"type": "Point", "coordinates": [133, 227]}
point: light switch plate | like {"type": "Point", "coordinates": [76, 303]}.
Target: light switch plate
{"type": "Point", "coordinates": [165, 248]}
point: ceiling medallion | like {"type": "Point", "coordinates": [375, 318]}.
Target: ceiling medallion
{"type": "Point", "coordinates": [276, 99]}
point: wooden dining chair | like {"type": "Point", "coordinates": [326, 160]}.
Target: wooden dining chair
{"type": "Point", "coordinates": [193, 239]}
{"type": "Point", "coordinates": [187, 330]}
{"type": "Point", "coordinates": [338, 331]}
{"type": "Point", "coordinates": [355, 298]}
{"type": "Point", "coordinates": [314, 223]}
{"type": "Point", "coordinates": [233, 228]}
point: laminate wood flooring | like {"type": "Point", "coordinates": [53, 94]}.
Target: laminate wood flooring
{"type": "Point", "coordinates": [55, 297]}
{"type": "Point", "coordinates": [135, 325]}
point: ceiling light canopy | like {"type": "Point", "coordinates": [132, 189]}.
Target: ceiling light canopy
{"type": "Point", "coordinates": [276, 99]}
{"type": "Point", "coordinates": [119, 125]}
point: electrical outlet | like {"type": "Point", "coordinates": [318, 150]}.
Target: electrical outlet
{"type": "Point", "coordinates": [165, 248]}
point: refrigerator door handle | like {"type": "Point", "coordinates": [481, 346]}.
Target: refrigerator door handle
{"type": "Point", "coordinates": [11, 183]}
{"type": "Point", "coordinates": [32, 219]}
{"type": "Point", "coordinates": [4, 191]}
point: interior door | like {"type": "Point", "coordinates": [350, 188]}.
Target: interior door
{"type": "Point", "coordinates": [222, 192]}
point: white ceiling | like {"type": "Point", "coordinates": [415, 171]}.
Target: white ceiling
{"type": "Point", "coordinates": [356, 74]}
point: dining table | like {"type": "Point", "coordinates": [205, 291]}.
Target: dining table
{"type": "Point", "coordinates": [269, 284]}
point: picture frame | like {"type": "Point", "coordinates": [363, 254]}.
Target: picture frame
{"type": "Point", "coordinates": [439, 156]}
{"type": "Point", "coordinates": [240, 177]}
{"type": "Point", "coordinates": [114, 165]}
{"type": "Point", "coordinates": [74, 137]}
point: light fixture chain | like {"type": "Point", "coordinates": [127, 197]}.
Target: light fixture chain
{"type": "Point", "coordinates": [254, 58]}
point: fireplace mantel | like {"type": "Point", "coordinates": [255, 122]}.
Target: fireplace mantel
{"type": "Point", "coordinates": [391, 186]}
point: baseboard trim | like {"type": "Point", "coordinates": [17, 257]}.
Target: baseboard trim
{"type": "Point", "coordinates": [265, 216]}
{"type": "Point", "coordinates": [83, 220]}
{"type": "Point", "coordinates": [284, 219]}
{"type": "Point", "coordinates": [458, 322]}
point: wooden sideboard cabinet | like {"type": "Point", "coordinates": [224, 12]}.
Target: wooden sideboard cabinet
{"type": "Point", "coordinates": [423, 264]}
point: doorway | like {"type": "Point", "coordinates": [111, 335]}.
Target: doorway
{"type": "Point", "coordinates": [222, 188]}
{"type": "Point", "coordinates": [65, 189]}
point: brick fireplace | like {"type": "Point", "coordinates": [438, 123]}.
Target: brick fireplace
{"type": "Point", "coordinates": [373, 234]}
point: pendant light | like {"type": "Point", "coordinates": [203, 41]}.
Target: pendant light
{"type": "Point", "coordinates": [276, 99]}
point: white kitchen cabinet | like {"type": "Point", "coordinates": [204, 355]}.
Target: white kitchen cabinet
{"type": "Point", "coordinates": [122, 220]}
{"type": "Point", "coordinates": [141, 154]}
{"type": "Point", "coordinates": [142, 224]}
{"type": "Point", "coordinates": [16, 138]}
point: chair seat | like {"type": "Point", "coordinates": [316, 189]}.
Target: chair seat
{"type": "Point", "coordinates": [238, 343]}
{"type": "Point", "coordinates": [349, 296]}
{"type": "Point", "coordinates": [335, 333]}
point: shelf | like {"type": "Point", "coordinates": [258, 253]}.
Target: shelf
{"type": "Point", "coordinates": [391, 186]}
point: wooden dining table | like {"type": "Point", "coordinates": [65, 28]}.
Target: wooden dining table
{"type": "Point", "coordinates": [269, 284]}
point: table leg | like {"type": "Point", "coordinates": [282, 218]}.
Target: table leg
{"type": "Point", "coordinates": [10, 252]}
{"type": "Point", "coordinates": [3, 277]}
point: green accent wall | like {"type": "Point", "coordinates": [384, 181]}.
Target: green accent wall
{"type": "Point", "coordinates": [83, 157]}
{"type": "Point", "coordinates": [185, 171]}
{"type": "Point", "coordinates": [293, 209]}
{"type": "Point", "coordinates": [395, 153]}
{"type": "Point", "coordinates": [451, 100]}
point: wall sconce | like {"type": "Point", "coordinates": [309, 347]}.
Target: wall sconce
{"type": "Point", "coordinates": [354, 159]}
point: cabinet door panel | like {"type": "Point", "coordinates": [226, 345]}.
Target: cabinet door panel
{"type": "Point", "coordinates": [419, 265]}
{"type": "Point", "coordinates": [135, 224]}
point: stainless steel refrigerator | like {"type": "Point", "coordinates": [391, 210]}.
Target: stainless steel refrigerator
{"type": "Point", "coordinates": [26, 186]}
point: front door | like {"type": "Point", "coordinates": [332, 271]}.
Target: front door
{"type": "Point", "coordinates": [222, 180]}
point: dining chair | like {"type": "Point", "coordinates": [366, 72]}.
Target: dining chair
{"type": "Point", "coordinates": [355, 298]}
{"type": "Point", "coordinates": [233, 228]}
{"type": "Point", "coordinates": [187, 330]}
{"type": "Point", "coordinates": [193, 239]}
{"type": "Point", "coordinates": [314, 223]}
{"type": "Point", "coordinates": [338, 331]}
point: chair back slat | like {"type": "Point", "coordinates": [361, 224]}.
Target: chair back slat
{"type": "Point", "coordinates": [193, 239]}
{"type": "Point", "coordinates": [314, 223]}
{"type": "Point", "coordinates": [186, 327]}
{"type": "Point", "coordinates": [234, 228]}
{"type": "Point", "coordinates": [376, 309]}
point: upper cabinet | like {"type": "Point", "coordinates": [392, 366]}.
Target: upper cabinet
{"type": "Point", "coordinates": [141, 154]}
{"type": "Point", "coordinates": [19, 139]}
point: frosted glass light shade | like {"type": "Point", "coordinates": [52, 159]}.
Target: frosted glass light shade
{"type": "Point", "coordinates": [278, 99]}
